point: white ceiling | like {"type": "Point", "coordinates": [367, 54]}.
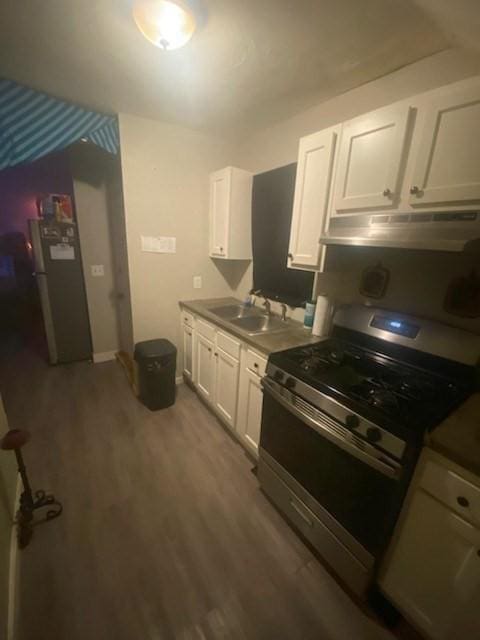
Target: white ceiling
{"type": "Point", "coordinates": [252, 62]}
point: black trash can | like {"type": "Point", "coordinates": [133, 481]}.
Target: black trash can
{"type": "Point", "coordinates": [157, 361]}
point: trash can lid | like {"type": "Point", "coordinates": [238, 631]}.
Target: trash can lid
{"type": "Point", "coordinates": [154, 349]}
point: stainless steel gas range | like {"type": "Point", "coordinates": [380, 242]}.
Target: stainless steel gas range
{"type": "Point", "coordinates": [343, 423]}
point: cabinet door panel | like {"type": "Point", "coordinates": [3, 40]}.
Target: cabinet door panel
{"type": "Point", "coordinates": [434, 571]}
{"type": "Point", "coordinates": [312, 186]}
{"type": "Point", "coordinates": [250, 409]}
{"type": "Point", "coordinates": [219, 207]}
{"type": "Point", "coordinates": [447, 166]}
{"type": "Point", "coordinates": [226, 386]}
{"type": "Point", "coordinates": [188, 352]}
{"type": "Point", "coordinates": [205, 367]}
{"type": "Point", "coordinates": [370, 160]}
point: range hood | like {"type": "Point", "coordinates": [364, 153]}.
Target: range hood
{"type": "Point", "coordinates": [452, 231]}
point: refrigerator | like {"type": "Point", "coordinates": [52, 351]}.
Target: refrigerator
{"type": "Point", "coordinates": [59, 275]}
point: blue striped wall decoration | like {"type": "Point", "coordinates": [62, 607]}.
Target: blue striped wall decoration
{"type": "Point", "coordinates": [33, 124]}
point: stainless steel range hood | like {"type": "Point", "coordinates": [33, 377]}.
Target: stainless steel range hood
{"type": "Point", "coordinates": [452, 231]}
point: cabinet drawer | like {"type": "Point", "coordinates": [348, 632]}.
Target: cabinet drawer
{"type": "Point", "coordinates": [228, 344]}
{"type": "Point", "coordinates": [256, 363]}
{"type": "Point", "coordinates": [205, 329]}
{"type": "Point", "coordinates": [455, 492]}
{"type": "Point", "coordinates": [187, 319]}
{"type": "Point", "coordinates": [346, 565]}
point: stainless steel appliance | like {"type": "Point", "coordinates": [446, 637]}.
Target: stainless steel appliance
{"type": "Point", "coordinates": [59, 276]}
{"type": "Point", "coordinates": [343, 423]}
{"type": "Point", "coordinates": [449, 231]}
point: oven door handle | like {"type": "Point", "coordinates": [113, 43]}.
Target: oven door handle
{"type": "Point", "coordinates": [373, 458]}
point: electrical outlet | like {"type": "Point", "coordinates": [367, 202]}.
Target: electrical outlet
{"type": "Point", "coordinates": [97, 270]}
{"type": "Point", "coordinates": [197, 282]}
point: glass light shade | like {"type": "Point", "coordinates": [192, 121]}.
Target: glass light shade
{"type": "Point", "coordinates": [167, 24]}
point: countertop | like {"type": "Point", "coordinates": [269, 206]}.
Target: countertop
{"type": "Point", "coordinates": [458, 437]}
{"type": "Point", "coordinates": [294, 334]}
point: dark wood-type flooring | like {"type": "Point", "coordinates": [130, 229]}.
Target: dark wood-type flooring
{"type": "Point", "coordinates": [165, 534]}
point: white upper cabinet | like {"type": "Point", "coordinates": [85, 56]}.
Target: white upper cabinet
{"type": "Point", "coordinates": [370, 159]}
{"type": "Point", "coordinates": [316, 155]}
{"type": "Point", "coordinates": [231, 214]}
{"type": "Point", "coordinates": [447, 163]}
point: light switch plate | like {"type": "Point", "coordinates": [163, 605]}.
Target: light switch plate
{"type": "Point", "coordinates": [97, 270]}
{"type": "Point", "coordinates": [197, 282]}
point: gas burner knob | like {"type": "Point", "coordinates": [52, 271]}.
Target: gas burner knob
{"type": "Point", "coordinates": [374, 434]}
{"type": "Point", "coordinates": [352, 421]}
{"type": "Point", "coordinates": [278, 375]}
{"type": "Point", "coordinates": [290, 383]}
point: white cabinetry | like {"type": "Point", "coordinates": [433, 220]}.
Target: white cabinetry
{"type": "Point", "coordinates": [205, 364]}
{"type": "Point", "coordinates": [230, 214]}
{"type": "Point", "coordinates": [432, 571]}
{"type": "Point", "coordinates": [226, 386]}
{"type": "Point", "coordinates": [188, 341]}
{"type": "Point", "coordinates": [227, 375]}
{"type": "Point", "coordinates": [447, 163]}
{"type": "Point", "coordinates": [316, 155]}
{"type": "Point", "coordinates": [370, 160]}
{"type": "Point", "coordinates": [250, 399]}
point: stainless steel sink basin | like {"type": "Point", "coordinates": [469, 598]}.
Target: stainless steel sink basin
{"type": "Point", "coordinates": [254, 325]}
{"type": "Point", "coordinates": [231, 311]}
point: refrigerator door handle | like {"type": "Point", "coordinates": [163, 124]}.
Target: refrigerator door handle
{"type": "Point", "coordinates": [39, 263]}
{"type": "Point", "coordinates": [47, 317]}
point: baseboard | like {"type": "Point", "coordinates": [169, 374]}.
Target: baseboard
{"type": "Point", "coordinates": [104, 356]}
{"type": "Point", "coordinates": [13, 568]}
{"type": "Point", "coordinates": [179, 380]}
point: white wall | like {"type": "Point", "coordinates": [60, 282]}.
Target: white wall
{"type": "Point", "coordinates": [90, 167]}
{"type": "Point", "coordinates": [165, 179]}
{"type": "Point", "coordinates": [277, 146]}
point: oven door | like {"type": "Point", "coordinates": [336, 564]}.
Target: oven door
{"type": "Point", "coordinates": [354, 483]}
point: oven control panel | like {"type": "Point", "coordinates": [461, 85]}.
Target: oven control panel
{"type": "Point", "coordinates": [395, 325]}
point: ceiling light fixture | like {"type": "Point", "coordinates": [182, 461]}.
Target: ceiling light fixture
{"type": "Point", "coordinates": [168, 24]}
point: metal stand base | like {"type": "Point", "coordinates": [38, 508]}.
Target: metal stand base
{"type": "Point", "coordinates": [28, 504]}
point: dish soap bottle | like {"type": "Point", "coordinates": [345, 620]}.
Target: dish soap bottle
{"type": "Point", "coordinates": [309, 313]}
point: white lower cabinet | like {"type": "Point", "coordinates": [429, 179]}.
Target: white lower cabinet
{"type": "Point", "coordinates": [205, 367]}
{"type": "Point", "coordinates": [432, 571]}
{"type": "Point", "coordinates": [188, 351]}
{"type": "Point", "coordinates": [226, 386]}
{"type": "Point", "coordinates": [227, 375]}
{"type": "Point", "coordinates": [250, 409]}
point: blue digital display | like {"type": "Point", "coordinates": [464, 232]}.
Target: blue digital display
{"type": "Point", "coordinates": [399, 327]}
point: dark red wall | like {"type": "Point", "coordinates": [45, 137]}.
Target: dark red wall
{"type": "Point", "coordinates": [21, 186]}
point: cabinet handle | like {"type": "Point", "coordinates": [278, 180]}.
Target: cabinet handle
{"type": "Point", "coordinates": [216, 355]}
{"type": "Point", "coordinates": [414, 190]}
{"type": "Point", "coordinates": [209, 349]}
{"type": "Point", "coordinates": [463, 502]}
{"type": "Point", "coordinates": [387, 193]}
{"type": "Point", "coordinates": [255, 365]}
{"type": "Point", "coordinates": [221, 249]}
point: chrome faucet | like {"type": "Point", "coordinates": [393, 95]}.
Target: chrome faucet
{"type": "Point", "coordinates": [284, 312]}
{"type": "Point", "coordinates": [266, 304]}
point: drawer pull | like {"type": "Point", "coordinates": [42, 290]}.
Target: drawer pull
{"type": "Point", "coordinates": [462, 501]}
{"type": "Point", "coordinates": [255, 364]}
{"type": "Point", "coordinates": [296, 508]}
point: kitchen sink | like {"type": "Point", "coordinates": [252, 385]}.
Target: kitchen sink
{"type": "Point", "coordinates": [260, 324]}
{"type": "Point", "coordinates": [231, 311]}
